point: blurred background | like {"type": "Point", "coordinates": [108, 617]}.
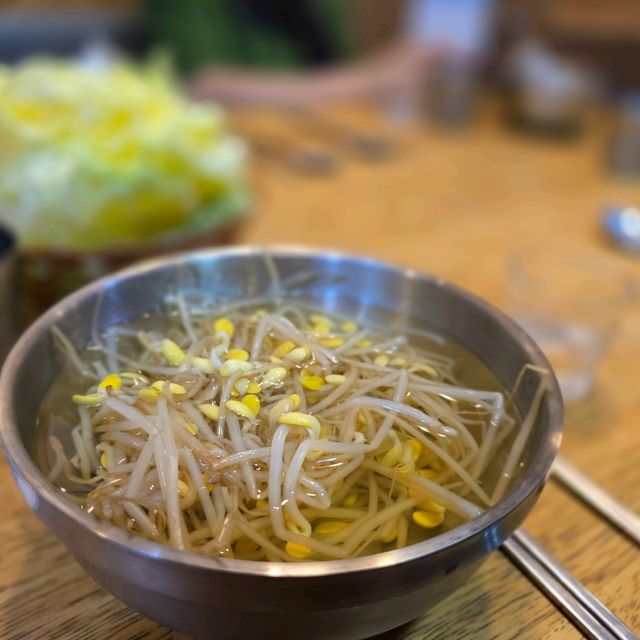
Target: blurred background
{"type": "Point", "coordinates": [482, 140]}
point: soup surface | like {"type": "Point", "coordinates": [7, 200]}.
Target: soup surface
{"type": "Point", "coordinates": [278, 433]}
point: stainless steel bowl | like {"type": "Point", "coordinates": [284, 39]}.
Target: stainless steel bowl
{"type": "Point", "coordinates": [219, 598]}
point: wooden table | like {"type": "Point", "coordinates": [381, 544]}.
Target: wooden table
{"type": "Point", "coordinates": [456, 204]}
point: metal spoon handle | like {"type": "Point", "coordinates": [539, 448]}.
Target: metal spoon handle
{"type": "Point", "coordinates": [597, 498]}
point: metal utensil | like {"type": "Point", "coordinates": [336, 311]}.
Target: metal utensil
{"type": "Point", "coordinates": [597, 498]}
{"type": "Point", "coordinates": [226, 598]}
{"type": "Point", "coordinates": [622, 227]}
{"type": "Point", "coordinates": [368, 146]}
{"type": "Point", "coordinates": [582, 607]}
{"type": "Point", "coordinates": [312, 159]}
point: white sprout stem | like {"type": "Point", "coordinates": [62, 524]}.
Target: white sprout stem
{"type": "Point", "coordinates": [127, 411]}
{"type": "Point", "coordinates": [125, 467]}
{"type": "Point", "coordinates": [118, 426]}
{"type": "Point", "coordinates": [402, 532]}
{"type": "Point", "coordinates": [305, 498]}
{"type": "Point", "coordinates": [184, 317]}
{"type": "Point", "coordinates": [275, 285]}
{"type": "Point", "coordinates": [486, 446]}
{"type": "Point", "coordinates": [289, 488]}
{"type": "Point", "coordinates": [298, 389]}
{"type": "Point", "coordinates": [322, 498]}
{"type": "Point", "coordinates": [260, 539]}
{"type": "Point", "coordinates": [110, 350]}
{"type": "Point", "coordinates": [387, 423]}
{"type": "Point", "coordinates": [225, 394]}
{"type": "Point", "coordinates": [521, 440]}
{"type": "Point", "coordinates": [141, 519]}
{"type": "Point", "coordinates": [291, 332]}
{"type": "Point", "coordinates": [83, 456]}
{"type": "Point", "coordinates": [344, 470]}
{"type": "Point", "coordinates": [237, 440]}
{"type": "Point", "coordinates": [260, 333]}
{"type": "Point", "coordinates": [86, 431]}
{"type": "Point", "coordinates": [140, 468]}
{"type": "Point", "coordinates": [444, 414]}
{"type": "Point", "coordinates": [293, 472]}
{"type": "Point", "coordinates": [331, 398]}
{"type": "Point", "coordinates": [349, 482]}
{"type": "Point", "coordinates": [347, 426]}
{"type": "Point", "coordinates": [389, 380]}
{"type": "Point", "coordinates": [219, 505]}
{"type": "Point", "coordinates": [373, 493]}
{"type": "Point", "coordinates": [489, 399]}
{"type": "Point", "coordinates": [275, 477]}
{"type": "Point", "coordinates": [139, 365]}
{"type": "Point", "coordinates": [169, 462]}
{"type": "Point", "coordinates": [203, 494]}
{"type": "Point", "coordinates": [226, 531]}
{"type": "Point", "coordinates": [58, 465]}
{"type": "Point", "coordinates": [453, 465]}
{"type": "Point", "coordinates": [58, 449]}
{"type": "Point", "coordinates": [432, 425]}
{"type": "Point", "coordinates": [203, 427]}
{"type": "Point", "coordinates": [357, 531]}
{"type": "Point", "coordinates": [450, 500]}
{"type": "Point", "coordinates": [261, 453]}
{"type": "Point", "coordinates": [70, 351]}
{"type": "Point", "coordinates": [209, 392]}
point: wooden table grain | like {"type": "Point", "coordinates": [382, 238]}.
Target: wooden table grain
{"type": "Point", "coordinates": [458, 204]}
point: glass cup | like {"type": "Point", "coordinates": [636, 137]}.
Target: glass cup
{"type": "Point", "coordinates": [570, 303]}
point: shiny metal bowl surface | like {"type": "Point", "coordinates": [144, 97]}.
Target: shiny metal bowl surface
{"type": "Point", "coordinates": [222, 598]}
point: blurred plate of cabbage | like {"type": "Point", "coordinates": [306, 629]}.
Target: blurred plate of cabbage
{"type": "Point", "coordinates": [112, 157]}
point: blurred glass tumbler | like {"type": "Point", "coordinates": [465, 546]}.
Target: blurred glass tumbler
{"type": "Point", "coordinates": [624, 154]}
{"type": "Point", "coordinates": [570, 304]}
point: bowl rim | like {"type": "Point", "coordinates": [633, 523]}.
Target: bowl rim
{"type": "Point", "coordinates": [39, 488]}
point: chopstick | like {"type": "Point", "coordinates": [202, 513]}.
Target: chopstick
{"type": "Point", "coordinates": [597, 498]}
{"type": "Point", "coordinates": [305, 158]}
{"type": "Point", "coordinates": [369, 146]}
{"type": "Point", "coordinates": [581, 606]}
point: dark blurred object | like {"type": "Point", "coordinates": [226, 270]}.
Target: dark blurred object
{"type": "Point", "coordinates": [45, 276]}
{"type": "Point", "coordinates": [376, 24]}
{"type": "Point", "coordinates": [622, 227]}
{"type": "Point", "coordinates": [603, 35]}
{"type": "Point", "coordinates": [547, 93]}
{"type": "Point", "coordinates": [257, 34]}
{"type": "Point", "coordinates": [65, 30]}
{"type": "Point", "coordinates": [624, 157]}
{"type": "Point", "coordinates": [7, 293]}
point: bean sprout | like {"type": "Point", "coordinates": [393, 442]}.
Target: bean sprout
{"type": "Point", "coordinates": [283, 435]}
